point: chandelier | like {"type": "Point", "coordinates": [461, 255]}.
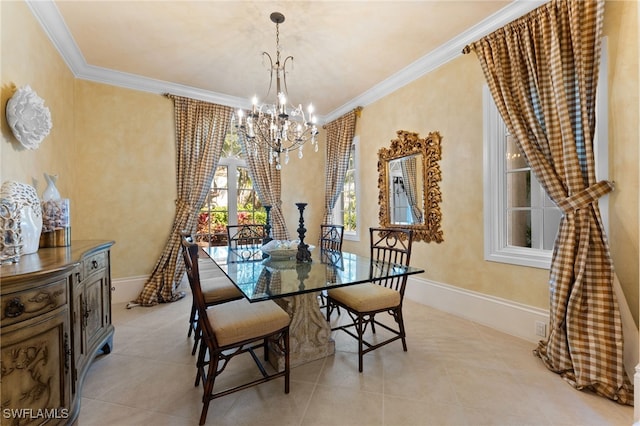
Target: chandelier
{"type": "Point", "coordinates": [277, 127]}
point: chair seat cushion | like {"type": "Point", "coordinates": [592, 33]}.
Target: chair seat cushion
{"type": "Point", "coordinates": [368, 297]}
{"type": "Point", "coordinates": [207, 268]}
{"type": "Point", "coordinates": [240, 320]}
{"type": "Point", "coordinates": [218, 289]}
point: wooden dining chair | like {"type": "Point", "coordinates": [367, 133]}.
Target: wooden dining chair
{"type": "Point", "coordinates": [216, 288]}
{"type": "Point", "coordinates": [388, 247]}
{"type": "Point", "coordinates": [231, 329]}
{"type": "Point", "coordinates": [331, 237]}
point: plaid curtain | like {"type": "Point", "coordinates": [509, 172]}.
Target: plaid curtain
{"type": "Point", "coordinates": [267, 183]}
{"type": "Point", "coordinates": [410, 179]}
{"type": "Point", "coordinates": [340, 134]}
{"type": "Point", "coordinates": [542, 71]}
{"type": "Point", "coordinates": [200, 131]}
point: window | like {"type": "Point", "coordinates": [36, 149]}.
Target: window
{"type": "Point", "coordinates": [346, 210]}
{"type": "Point", "coordinates": [232, 199]}
{"type": "Point", "coordinates": [520, 220]}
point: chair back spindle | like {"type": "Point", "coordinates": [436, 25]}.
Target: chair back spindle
{"type": "Point", "coordinates": [390, 247]}
{"type": "Point", "coordinates": [331, 237]}
{"type": "Point", "coordinates": [241, 236]}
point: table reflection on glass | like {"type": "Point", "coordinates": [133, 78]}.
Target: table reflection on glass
{"type": "Point", "coordinates": [295, 286]}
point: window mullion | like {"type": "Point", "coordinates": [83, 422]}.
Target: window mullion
{"type": "Point", "coordinates": [232, 179]}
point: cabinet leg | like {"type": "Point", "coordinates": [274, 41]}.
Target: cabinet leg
{"type": "Point", "coordinates": [108, 345]}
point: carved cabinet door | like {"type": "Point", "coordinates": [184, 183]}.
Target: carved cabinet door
{"type": "Point", "coordinates": [36, 368]}
{"type": "Point", "coordinates": [96, 302]}
{"type": "Point", "coordinates": [86, 319]}
{"type": "Point", "coordinates": [91, 305]}
{"type": "Point", "coordinates": [94, 307]}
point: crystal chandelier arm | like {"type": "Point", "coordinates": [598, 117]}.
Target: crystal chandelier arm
{"type": "Point", "coordinates": [284, 73]}
{"type": "Point", "coordinates": [270, 72]}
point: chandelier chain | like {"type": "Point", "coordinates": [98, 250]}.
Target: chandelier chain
{"type": "Point", "coordinates": [277, 44]}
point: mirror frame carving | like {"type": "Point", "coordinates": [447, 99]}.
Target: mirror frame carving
{"type": "Point", "coordinates": [406, 144]}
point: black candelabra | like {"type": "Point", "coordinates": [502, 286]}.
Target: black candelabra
{"type": "Point", "coordinates": [267, 226]}
{"type": "Point", "coordinates": [303, 254]}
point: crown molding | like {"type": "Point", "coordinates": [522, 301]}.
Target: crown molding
{"type": "Point", "coordinates": [56, 29]}
{"type": "Point", "coordinates": [438, 57]}
{"type": "Point", "coordinates": [49, 17]}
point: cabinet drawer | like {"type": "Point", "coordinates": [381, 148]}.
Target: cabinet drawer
{"type": "Point", "coordinates": [23, 305]}
{"type": "Point", "coordinates": [93, 264]}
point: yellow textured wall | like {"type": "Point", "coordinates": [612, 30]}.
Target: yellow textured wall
{"type": "Point", "coordinates": [621, 29]}
{"type": "Point", "coordinates": [28, 58]}
{"type": "Point", "coordinates": [303, 182]}
{"type": "Point", "coordinates": [126, 168]}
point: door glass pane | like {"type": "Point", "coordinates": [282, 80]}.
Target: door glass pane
{"type": "Point", "coordinates": [519, 228]}
{"type": "Point", "coordinates": [214, 214]}
{"type": "Point", "coordinates": [231, 147]}
{"type": "Point", "coordinates": [250, 209]}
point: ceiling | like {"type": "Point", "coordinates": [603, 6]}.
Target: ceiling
{"type": "Point", "coordinates": [346, 53]}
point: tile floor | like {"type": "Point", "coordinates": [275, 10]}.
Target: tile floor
{"type": "Point", "coordinates": [456, 372]}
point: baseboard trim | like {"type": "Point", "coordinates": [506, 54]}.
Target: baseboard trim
{"type": "Point", "coordinates": [509, 317]}
{"type": "Point", "coordinates": [636, 398]}
{"type": "Point", "coordinates": [125, 290]}
{"type": "Point", "coordinates": [504, 315]}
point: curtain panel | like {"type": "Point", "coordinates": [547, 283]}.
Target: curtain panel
{"type": "Point", "coordinates": [200, 131]}
{"type": "Point", "coordinates": [542, 71]}
{"type": "Point", "coordinates": [340, 133]}
{"type": "Point", "coordinates": [410, 178]}
{"type": "Point", "coordinates": [267, 183]}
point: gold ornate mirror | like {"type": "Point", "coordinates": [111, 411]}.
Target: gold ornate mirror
{"type": "Point", "coordinates": [409, 193]}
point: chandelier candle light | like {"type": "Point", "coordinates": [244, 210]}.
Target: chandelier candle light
{"type": "Point", "coordinates": [277, 127]}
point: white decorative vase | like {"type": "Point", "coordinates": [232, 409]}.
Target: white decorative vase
{"type": "Point", "coordinates": [51, 192]}
{"type": "Point", "coordinates": [56, 226]}
{"type": "Point", "coordinates": [29, 217]}
{"type": "Point", "coordinates": [31, 227]}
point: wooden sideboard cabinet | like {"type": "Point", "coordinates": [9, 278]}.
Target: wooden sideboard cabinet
{"type": "Point", "coordinates": [55, 318]}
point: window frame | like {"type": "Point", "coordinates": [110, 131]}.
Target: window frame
{"type": "Point", "coordinates": [233, 162]}
{"type": "Point", "coordinates": [496, 248]}
{"type": "Point", "coordinates": [338, 213]}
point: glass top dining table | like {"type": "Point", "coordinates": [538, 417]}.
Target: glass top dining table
{"type": "Point", "coordinates": [261, 278]}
